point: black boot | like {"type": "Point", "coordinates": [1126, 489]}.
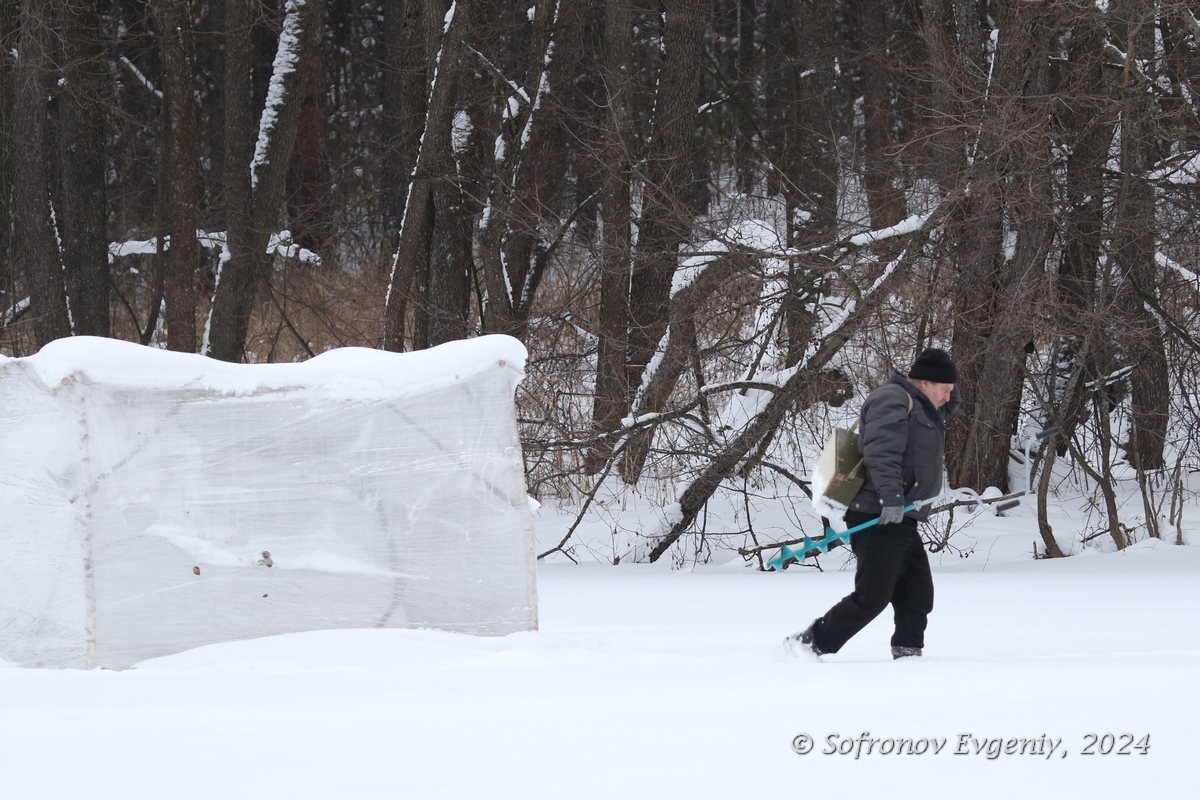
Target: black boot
{"type": "Point", "coordinates": [803, 643]}
{"type": "Point", "coordinates": [905, 652]}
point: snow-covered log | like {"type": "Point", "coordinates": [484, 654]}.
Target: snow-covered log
{"type": "Point", "coordinates": [157, 501]}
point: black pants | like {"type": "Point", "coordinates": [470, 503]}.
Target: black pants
{"type": "Point", "coordinates": [892, 568]}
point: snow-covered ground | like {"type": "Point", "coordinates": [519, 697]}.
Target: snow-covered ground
{"type": "Point", "coordinates": [1074, 677]}
{"type": "Point", "coordinates": [648, 682]}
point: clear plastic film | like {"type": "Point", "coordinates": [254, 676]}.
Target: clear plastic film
{"type": "Point", "coordinates": [365, 490]}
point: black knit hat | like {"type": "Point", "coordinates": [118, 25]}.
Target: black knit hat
{"type": "Point", "coordinates": [934, 365]}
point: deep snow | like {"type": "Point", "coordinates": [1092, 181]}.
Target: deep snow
{"type": "Point", "coordinates": [647, 682]}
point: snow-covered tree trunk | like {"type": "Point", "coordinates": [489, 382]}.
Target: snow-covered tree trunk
{"type": "Point", "coordinates": [416, 230]}
{"type": "Point", "coordinates": [228, 323]}
{"type": "Point", "coordinates": [443, 305]}
{"type": "Point", "coordinates": [404, 79]}
{"type": "Point", "coordinates": [256, 169]}
{"type": "Point", "coordinates": [670, 167]}
{"type": "Point", "coordinates": [528, 161]}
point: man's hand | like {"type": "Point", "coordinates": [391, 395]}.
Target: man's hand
{"type": "Point", "coordinates": [891, 515]}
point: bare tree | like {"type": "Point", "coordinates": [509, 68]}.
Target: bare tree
{"type": "Point", "coordinates": [404, 88]}
{"type": "Point", "coordinates": [611, 400]}
{"type": "Point", "coordinates": [36, 247]}
{"type": "Point", "coordinates": [882, 179]}
{"type": "Point", "coordinates": [798, 389]}
{"type": "Point", "coordinates": [83, 207]}
{"type": "Point", "coordinates": [1135, 240]}
{"type": "Point", "coordinates": [256, 170]}
{"type": "Point", "coordinates": [180, 151]}
{"type": "Point", "coordinates": [432, 165]}
{"type": "Point", "coordinates": [1003, 241]}
{"type": "Point", "coordinates": [526, 159]}
{"type": "Point", "coordinates": [670, 167]}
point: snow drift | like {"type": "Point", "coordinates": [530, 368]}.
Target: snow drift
{"type": "Point", "coordinates": [156, 501]}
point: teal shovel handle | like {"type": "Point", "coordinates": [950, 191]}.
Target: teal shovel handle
{"type": "Point", "coordinates": [788, 552]}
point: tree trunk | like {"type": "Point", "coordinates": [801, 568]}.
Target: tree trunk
{"type": "Point", "coordinates": [881, 179]}
{"type": "Point", "coordinates": [1134, 248]}
{"type": "Point", "coordinates": [82, 209]}
{"type": "Point", "coordinates": [611, 394]}
{"type": "Point", "coordinates": [995, 290]}
{"type": "Point", "coordinates": [943, 124]}
{"type": "Point", "coordinates": [442, 275]}
{"type": "Point", "coordinates": [416, 230]}
{"type": "Point", "coordinates": [181, 149]}
{"type": "Point", "coordinates": [256, 171]}
{"type": "Point", "coordinates": [445, 302]}
{"type": "Point", "coordinates": [810, 167]}
{"type": "Point", "coordinates": [405, 88]}
{"type": "Point", "coordinates": [226, 332]}
{"type": "Point", "coordinates": [36, 248]}
{"type": "Point", "coordinates": [741, 28]}
{"type": "Point", "coordinates": [308, 181]}
{"type": "Point", "coordinates": [666, 216]}
{"type": "Point", "coordinates": [9, 30]}
{"type": "Point", "coordinates": [1088, 123]}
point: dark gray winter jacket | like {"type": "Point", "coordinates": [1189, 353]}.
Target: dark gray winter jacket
{"type": "Point", "coordinates": [904, 452]}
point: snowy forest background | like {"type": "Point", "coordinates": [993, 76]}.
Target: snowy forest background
{"type": "Point", "coordinates": [713, 223]}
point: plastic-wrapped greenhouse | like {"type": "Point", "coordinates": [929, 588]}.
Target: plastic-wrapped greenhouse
{"type": "Point", "coordinates": [154, 502]}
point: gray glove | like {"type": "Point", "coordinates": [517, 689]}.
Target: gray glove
{"type": "Point", "coordinates": [891, 515]}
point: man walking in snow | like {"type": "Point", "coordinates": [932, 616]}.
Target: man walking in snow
{"type": "Point", "coordinates": [902, 440]}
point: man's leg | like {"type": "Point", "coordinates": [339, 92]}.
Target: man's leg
{"type": "Point", "coordinates": [912, 599]}
{"type": "Point", "coordinates": [880, 553]}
